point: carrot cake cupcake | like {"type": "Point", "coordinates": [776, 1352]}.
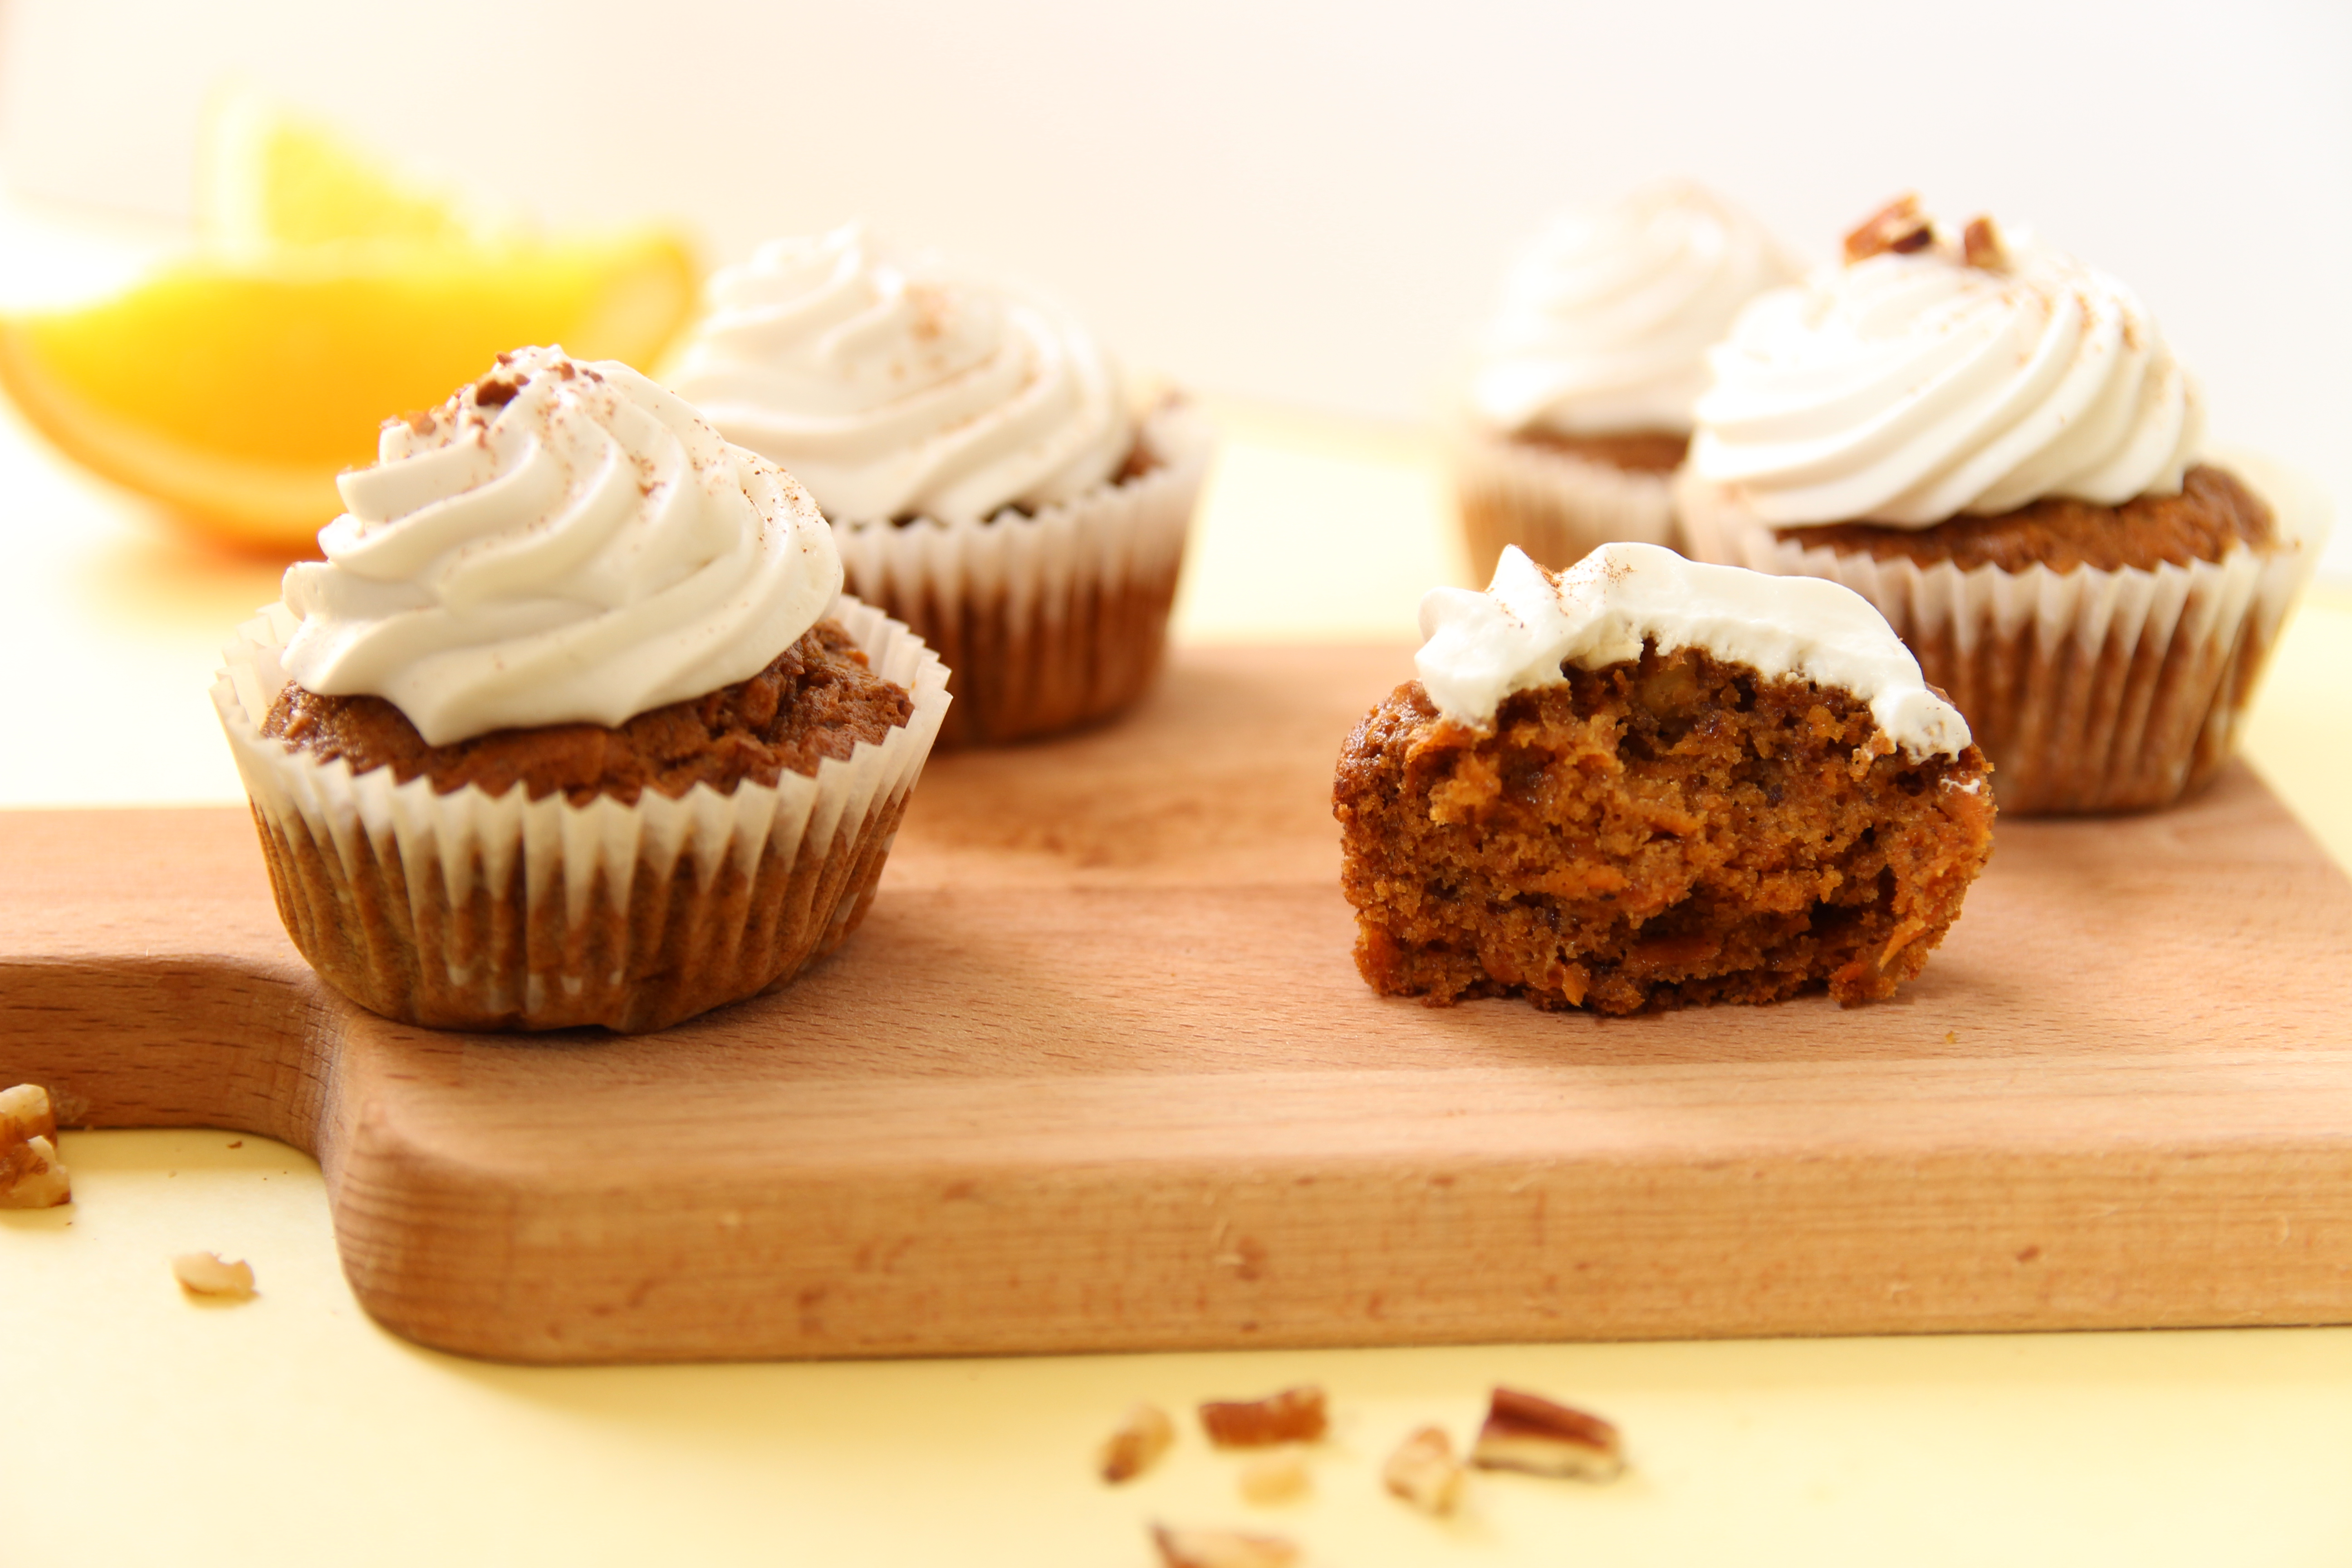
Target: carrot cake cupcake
{"type": "Point", "coordinates": [1648, 783]}
{"type": "Point", "coordinates": [976, 453]}
{"type": "Point", "coordinates": [572, 725]}
{"type": "Point", "coordinates": [1993, 443]}
{"type": "Point", "coordinates": [1579, 405]}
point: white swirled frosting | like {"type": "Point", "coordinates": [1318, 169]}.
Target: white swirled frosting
{"type": "Point", "coordinates": [1908, 389]}
{"type": "Point", "coordinates": [1606, 320]}
{"type": "Point", "coordinates": [893, 387]}
{"type": "Point", "coordinates": [1521, 632]}
{"type": "Point", "coordinates": [559, 543]}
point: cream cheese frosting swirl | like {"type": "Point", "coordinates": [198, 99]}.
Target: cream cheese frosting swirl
{"type": "Point", "coordinates": [1525, 628]}
{"type": "Point", "coordinates": [893, 387]}
{"type": "Point", "coordinates": [1907, 389]}
{"type": "Point", "coordinates": [1606, 320]}
{"type": "Point", "coordinates": [559, 543]}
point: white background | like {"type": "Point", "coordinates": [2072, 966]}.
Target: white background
{"type": "Point", "coordinates": [1307, 201]}
{"type": "Point", "coordinates": [1304, 203]}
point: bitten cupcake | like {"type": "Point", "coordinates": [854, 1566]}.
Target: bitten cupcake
{"type": "Point", "coordinates": [986, 479]}
{"type": "Point", "coordinates": [572, 725]}
{"type": "Point", "coordinates": [1992, 443]}
{"type": "Point", "coordinates": [1579, 405]}
{"type": "Point", "coordinates": [1649, 782]}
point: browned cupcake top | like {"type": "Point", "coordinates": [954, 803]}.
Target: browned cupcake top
{"type": "Point", "coordinates": [2213, 511]}
{"type": "Point", "coordinates": [1636, 451]}
{"type": "Point", "coordinates": [816, 700]}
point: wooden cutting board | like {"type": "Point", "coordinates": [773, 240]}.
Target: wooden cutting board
{"type": "Point", "coordinates": [1099, 1073]}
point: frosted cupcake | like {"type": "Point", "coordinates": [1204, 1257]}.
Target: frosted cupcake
{"type": "Point", "coordinates": [572, 726]}
{"type": "Point", "coordinates": [1993, 443]}
{"type": "Point", "coordinates": [1578, 404]}
{"type": "Point", "coordinates": [986, 479]}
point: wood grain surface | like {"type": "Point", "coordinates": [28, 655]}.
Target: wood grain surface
{"type": "Point", "coordinates": [1098, 1073]}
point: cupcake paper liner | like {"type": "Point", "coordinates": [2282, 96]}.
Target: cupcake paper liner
{"type": "Point", "coordinates": [1556, 506]}
{"type": "Point", "coordinates": [2090, 689]}
{"type": "Point", "coordinates": [1050, 620]}
{"type": "Point", "coordinates": [479, 912]}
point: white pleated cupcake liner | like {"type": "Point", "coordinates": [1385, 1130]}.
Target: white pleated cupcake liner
{"type": "Point", "coordinates": [2089, 690]}
{"type": "Point", "coordinates": [1051, 619]}
{"type": "Point", "coordinates": [1555, 505]}
{"type": "Point", "coordinates": [470, 910]}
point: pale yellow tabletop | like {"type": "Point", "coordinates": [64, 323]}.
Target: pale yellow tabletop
{"type": "Point", "coordinates": [147, 1430]}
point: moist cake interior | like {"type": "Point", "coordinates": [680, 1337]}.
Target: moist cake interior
{"type": "Point", "coordinates": [1656, 833]}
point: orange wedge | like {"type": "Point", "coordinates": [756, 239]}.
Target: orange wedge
{"type": "Point", "coordinates": [235, 393]}
{"type": "Point", "coordinates": [268, 176]}
{"type": "Point", "coordinates": [232, 386]}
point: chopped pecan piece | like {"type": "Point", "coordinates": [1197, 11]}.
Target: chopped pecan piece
{"type": "Point", "coordinates": [1221, 1549]}
{"type": "Point", "coordinates": [1293, 1415]}
{"type": "Point", "coordinates": [1424, 1472]}
{"type": "Point", "coordinates": [25, 1113]}
{"type": "Point", "coordinates": [32, 1177]}
{"type": "Point", "coordinates": [1273, 1477]}
{"type": "Point", "coordinates": [1899, 227]}
{"type": "Point", "coordinates": [203, 1274]}
{"type": "Point", "coordinates": [1981, 245]}
{"type": "Point", "coordinates": [1138, 1444]}
{"type": "Point", "coordinates": [1527, 1432]}
{"type": "Point", "coordinates": [31, 1174]}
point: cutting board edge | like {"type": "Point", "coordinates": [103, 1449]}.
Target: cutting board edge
{"type": "Point", "coordinates": [2177, 1238]}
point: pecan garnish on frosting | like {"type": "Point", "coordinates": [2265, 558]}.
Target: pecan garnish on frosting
{"type": "Point", "coordinates": [1899, 227]}
{"type": "Point", "coordinates": [1981, 245]}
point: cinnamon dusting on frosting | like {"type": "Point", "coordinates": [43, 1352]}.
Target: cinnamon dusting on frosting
{"type": "Point", "coordinates": [895, 386]}
{"type": "Point", "coordinates": [557, 543]}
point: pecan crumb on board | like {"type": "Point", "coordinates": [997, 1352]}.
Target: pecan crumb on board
{"type": "Point", "coordinates": [1275, 1478]}
{"type": "Point", "coordinates": [1221, 1549]}
{"type": "Point", "coordinates": [203, 1274]}
{"type": "Point", "coordinates": [31, 1174]}
{"type": "Point", "coordinates": [1424, 1472]}
{"type": "Point", "coordinates": [1142, 1437]}
{"type": "Point", "coordinates": [1293, 1415]}
{"type": "Point", "coordinates": [1527, 1432]}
